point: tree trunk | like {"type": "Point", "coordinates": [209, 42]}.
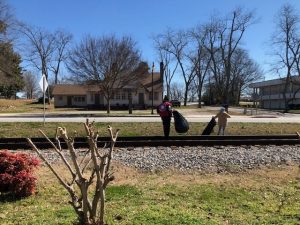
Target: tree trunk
{"type": "Point", "coordinates": [199, 97]}
{"type": "Point", "coordinates": [227, 78]}
{"type": "Point", "coordinates": [168, 91]}
{"type": "Point", "coordinates": [185, 96]}
{"type": "Point", "coordinates": [130, 103]}
{"type": "Point", "coordinates": [49, 98]}
{"type": "Point", "coordinates": [239, 96]}
{"type": "Point", "coordinates": [108, 106]}
{"type": "Point", "coordinates": [287, 82]}
{"type": "Point", "coordinates": [102, 207]}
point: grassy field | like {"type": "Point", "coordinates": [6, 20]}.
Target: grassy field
{"type": "Point", "coordinates": [264, 196]}
{"type": "Point", "coordinates": [20, 106]}
{"type": "Point", "coordinates": [145, 129]}
{"type": "Point", "coordinates": [31, 106]}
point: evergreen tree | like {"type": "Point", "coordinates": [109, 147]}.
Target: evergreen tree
{"type": "Point", "coordinates": [11, 80]}
{"type": "Point", "coordinates": [10, 71]}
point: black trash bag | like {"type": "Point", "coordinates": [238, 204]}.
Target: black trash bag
{"type": "Point", "coordinates": [181, 124]}
{"type": "Point", "coordinates": [210, 126]}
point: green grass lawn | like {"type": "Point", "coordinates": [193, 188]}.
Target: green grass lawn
{"type": "Point", "coordinates": [31, 106]}
{"type": "Point", "coordinates": [20, 129]}
{"type": "Point", "coordinates": [265, 196]}
{"type": "Point", "coordinates": [262, 196]}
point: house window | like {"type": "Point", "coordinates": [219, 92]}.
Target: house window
{"type": "Point", "coordinates": [118, 96]}
{"type": "Point", "coordinates": [112, 96]}
{"type": "Point", "coordinates": [123, 95]}
{"type": "Point", "coordinates": [60, 98]}
{"type": "Point", "coordinates": [79, 98]}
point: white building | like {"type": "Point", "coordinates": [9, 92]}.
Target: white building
{"type": "Point", "coordinates": [90, 96]}
{"type": "Point", "coordinates": [270, 93]}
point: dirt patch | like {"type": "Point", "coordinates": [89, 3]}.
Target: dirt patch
{"type": "Point", "coordinates": [124, 175]}
{"type": "Point", "coordinates": [249, 179]}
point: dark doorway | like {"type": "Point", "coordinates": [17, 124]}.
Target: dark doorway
{"type": "Point", "coordinates": [97, 99]}
{"type": "Point", "coordinates": [69, 101]}
{"type": "Point", "coordinates": [141, 99]}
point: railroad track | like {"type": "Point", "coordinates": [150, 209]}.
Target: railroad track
{"type": "Point", "coordinates": [152, 141]}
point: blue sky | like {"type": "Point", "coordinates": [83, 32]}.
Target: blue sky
{"type": "Point", "coordinates": [141, 19]}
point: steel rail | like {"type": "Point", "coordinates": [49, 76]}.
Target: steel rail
{"type": "Point", "coordinates": [154, 141]}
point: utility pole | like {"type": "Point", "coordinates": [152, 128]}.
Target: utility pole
{"type": "Point", "coordinates": [152, 88]}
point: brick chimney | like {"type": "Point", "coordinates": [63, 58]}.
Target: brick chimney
{"type": "Point", "coordinates": [161, 71]}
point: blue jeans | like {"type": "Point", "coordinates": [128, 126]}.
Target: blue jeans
{"type": "Point", "coordinates": [221, 130]}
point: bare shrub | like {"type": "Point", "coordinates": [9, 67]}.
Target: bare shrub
{"type": "Point", "coordinates": [87, 200]}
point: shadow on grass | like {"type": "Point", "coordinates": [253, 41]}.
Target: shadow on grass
{"type": "Point", "coordinates": [8, 197]}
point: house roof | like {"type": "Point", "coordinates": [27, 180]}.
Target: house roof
{"type": "Point", "coordinates": [77, 89]}
{"type": "Point", "coordinates": [73, 89]}
{"type": "Point", "coordinates": [147, 79]}
{"type": "Point", "coordinates": [272, 82]}
{"type": "Point", "coordinates": [146, 82]}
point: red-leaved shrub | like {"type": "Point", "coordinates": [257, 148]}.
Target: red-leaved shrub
{"type": "Point", "coordinates": [16, 173]}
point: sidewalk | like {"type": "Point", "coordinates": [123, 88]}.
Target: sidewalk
{"type": "Point", "coordinates": [146, 116]}
{"type": "Point", "coordinates": [76, 114]}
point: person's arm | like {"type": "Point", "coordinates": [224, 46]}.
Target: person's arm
{"type": "Point", "coordinates": [170, 109]}
{"type": "Point", "coordinates": [216, 116]}
{"type": "Point", "coordinates": [227, 115]}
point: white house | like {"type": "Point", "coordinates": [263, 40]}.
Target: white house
{"type": "Point", "coordinates": [270, 95]}
{"type": "Point", "coordinates": [90, 96]}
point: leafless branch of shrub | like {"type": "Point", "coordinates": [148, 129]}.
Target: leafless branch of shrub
{"type": "Point", "coordinates": [89, 205]}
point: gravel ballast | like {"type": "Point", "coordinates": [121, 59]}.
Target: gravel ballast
{"type": "Point", "coordinates": [200, 158]}
{"type": "Point", "coordinates": [209, 159]}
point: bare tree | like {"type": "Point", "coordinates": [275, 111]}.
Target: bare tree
{"type": "Point", "coordinates": [244, 72]}
{"type": "Point", "coordinates": [92, 172]}
{"type": "Point", "coordinates": [224, 37]}
{"type": "Point", "coordinates": [109, 62]}
{"type": "Point", "coordinates": [167, 58]}
{"type": "Point", "coordinates": [39, 47]}
{"type": "Point", "coordinates": [216, 79]}
{"type": "Point", "coordinates": [201, 59]}
{"type": "Point", "coordinates": [285, 42]}
{"type": "Point", "coordinates": [176, 43]}
{"type": "Point", "coordinates": [45, 50]}
{"type": "Point", "coordinates": [30, 84]}
{"type": "Point", "coordinates": [177, 92]}
{"type": "Point", "coordinates": [7, 22]}
{"type": "Point", "coordinates": [230, 39]}
{"type": "Point", "coordinates": [62, 40]}
{"type": "Point", "coordinates": [193, 93]}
